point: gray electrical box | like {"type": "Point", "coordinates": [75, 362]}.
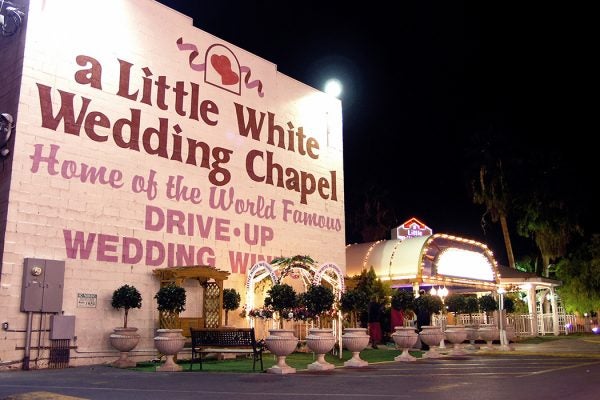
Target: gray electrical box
{"type": "Point", "coordinates": [62, 327]}
{"type": "Point", "coordinates": [43, 284]}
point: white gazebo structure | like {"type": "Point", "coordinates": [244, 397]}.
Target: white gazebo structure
{"type": "Point", "coordinates": [447, 261]}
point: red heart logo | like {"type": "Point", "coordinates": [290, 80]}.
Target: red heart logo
{"type": "Point", "coordinates": [222, 65]}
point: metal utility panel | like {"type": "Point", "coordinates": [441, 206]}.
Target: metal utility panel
{"type": "Point", "coordinates": [43, 284]}
{"type": "Point", "coordinates": [62, 327]}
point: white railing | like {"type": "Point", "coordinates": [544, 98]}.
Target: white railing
{"type": "Point", "coordinates": [522, 322]}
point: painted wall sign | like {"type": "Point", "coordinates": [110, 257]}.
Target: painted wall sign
{"type": "Point", "coordinates": [171, 148]}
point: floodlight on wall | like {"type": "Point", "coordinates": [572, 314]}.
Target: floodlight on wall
{"type": "Point", "coordinates": [11, 18]}
{"type": "Point", "coordinates": [6, 127]}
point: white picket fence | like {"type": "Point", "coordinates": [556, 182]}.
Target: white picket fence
{"type": "Point", "coordinates": [567, 323]}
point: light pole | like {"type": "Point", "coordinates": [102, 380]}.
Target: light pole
{"type": "Point", "coordinates": [503, 339]}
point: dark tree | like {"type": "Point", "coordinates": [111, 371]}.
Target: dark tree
{"type": "Point", "coordinates": [456, 303]}
{"type": "Point", "coordinates": [353, 302]}
{"type": "Point", "coordinates": [487, 303]}
{"type": "Point", "coordinates": [580, 274]}
{"type": "Point", "coordinates": [403, 300]}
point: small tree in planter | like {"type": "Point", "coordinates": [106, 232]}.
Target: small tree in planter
{"type": "Point", "coordinates": [456, 304]}
{"type": "Point", "coordinates": [318, 300]}
{"type": "Point", "coordinates": [126, 297]}
{"type": "Point", "coordinates": [280, 297]}
{"type": "Point", "coordinates": [170, 301]}
{"type": "Point", "coordinates": [403, 300]}
{"type": "Point", "coordinates": [471, 307]}
{"type": "Point", "coordinates": [425, 305]}
{"type": "Point", "coordinates": [402, 306]}
{"type": "Point", "coordinates": [231, 301]}
{"type": "Point", "coordinates": [123, 338]}
{"type": "Point", "coordinates": [353, 302]}
{"type": "Point", "coordinates": [488, 304]}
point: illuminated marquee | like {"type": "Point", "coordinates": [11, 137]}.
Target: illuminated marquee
{"type": "Point", "coordinates": [464, 264]}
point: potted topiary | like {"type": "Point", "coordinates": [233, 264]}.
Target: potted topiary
{"type": "Point", "coordinates": [319, 300]}
{"type": "Point", "coordinates": [355, 338]}
{"type": "Point", "coordinates": [487, 304]}
{"type": "Point", "coordinates": [471, 307]}
{"type": "Point", "coordinates": [281, 297]}
{"type": "Point", "coordinates": [424, 306]}
{"type": "Point", "coordinates": [125, 338]}
{"type": "Point", "coordinates": [170, 301]}
{"type": "Point", "coordinates": [352, 303]}
{"type": "Point", "coordinates": [402, 306]}
{"type": "Point", "coordinates": [231, 301]}
{"type": "Point", "coordinates": [281, 342]}
{"type": "Point", "coordinates": [488, 332]}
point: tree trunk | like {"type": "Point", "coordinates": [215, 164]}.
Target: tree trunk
{"type": "Point", "coordinates": [507, 243]}
{"type": "Point", "coordinates": [546, 266]}
{"type": "Point", "coordinates": [226, 317]}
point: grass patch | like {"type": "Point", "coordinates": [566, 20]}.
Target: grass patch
{"type": "Point", "coordinates": [550, 338]}
{"type": "Point", "coordinates": [297, 360]}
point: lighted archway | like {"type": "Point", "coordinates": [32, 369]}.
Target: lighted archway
{"type": "Point", "coordinates": [257, 273]}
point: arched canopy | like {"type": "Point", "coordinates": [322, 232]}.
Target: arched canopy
{"type": "Point", "coordinates": [438, 259]}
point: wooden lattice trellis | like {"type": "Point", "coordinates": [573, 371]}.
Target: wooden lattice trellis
{"type": "Point", "coordinates": [210, 278]}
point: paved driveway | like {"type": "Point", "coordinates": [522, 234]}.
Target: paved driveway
{"type": "Point", "coordinates": [502, 377]}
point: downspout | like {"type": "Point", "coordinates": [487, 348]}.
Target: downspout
{"type": "Point", "coordinates": [26, 355]}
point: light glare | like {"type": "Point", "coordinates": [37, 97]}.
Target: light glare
{"type": "Point", "coordinates": [333, 87]}
{"type": "Point", "coordinates": [465, 264]}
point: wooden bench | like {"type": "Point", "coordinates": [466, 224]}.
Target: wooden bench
{"type": "Point", "coordinates": [225, 340]}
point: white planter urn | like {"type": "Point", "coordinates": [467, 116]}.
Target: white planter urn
{"type": "Point", "coordinates": [355, 340]}
{"type": "Point", "coordinates": [282, 343]}
{"type": "Point", "coordinates": [511, 335]}
{"type": "Point", "coordinates": [405, 338]}
{"type": "Point", "coordinates": [169, 342]}
{"type": "Point", "coordinates": [472, 335]}
{"type": "Point", "coordinates": [124, 340]}
{"type": "Point", "coordinates": [320, 341]}
{"type": "Point", "coordinates": [431, 336]}
{"type": "Point", "coordinates": [456, 334]}
{"type": "Point", "coordinates": [489, 333]}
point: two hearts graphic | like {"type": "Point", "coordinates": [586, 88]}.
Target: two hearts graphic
{"type": "Point", "coordinates": [222, 65]}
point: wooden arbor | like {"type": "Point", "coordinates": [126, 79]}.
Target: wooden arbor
{"type": "Point", "coordinates": [211, 279]}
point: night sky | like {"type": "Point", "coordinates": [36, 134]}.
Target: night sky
{"type": "Point", "coordinates": [421, 80]}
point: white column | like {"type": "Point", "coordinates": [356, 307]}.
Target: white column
{"type": "Point", "coordinates": [554, 304]}
{"type": "Point", "coordinates": [416, 289]}
{"type": "Point", "coordinates": [532, 310]}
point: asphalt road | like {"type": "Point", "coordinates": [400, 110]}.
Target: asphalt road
{"type": "Point", "coordinates": [475, 377]}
